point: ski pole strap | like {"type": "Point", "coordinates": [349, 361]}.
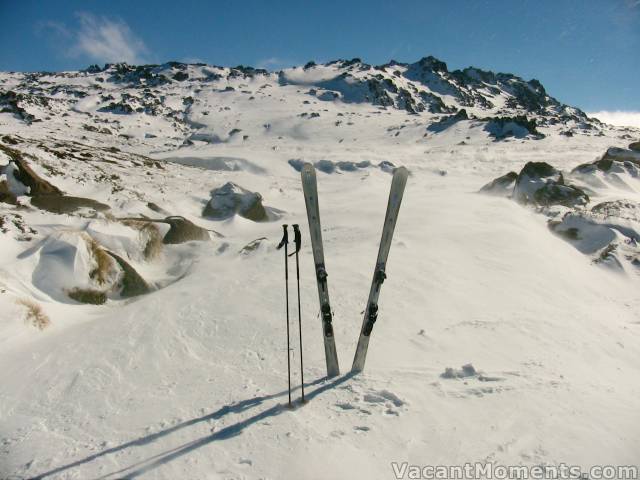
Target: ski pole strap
{"type": "Point", "coordinates": [285, 237]}
{"type": "Point", "coordinates": [297, 238]}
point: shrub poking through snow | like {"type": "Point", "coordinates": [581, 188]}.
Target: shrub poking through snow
{"type": "Point", "coordinates": [88, 295]}
{"type": "Point", "coordinates": [35, 315]}
{"type": "Point", "coordinates": [103, 263]}
{"type": "Point", "coordinates": [150, 235]}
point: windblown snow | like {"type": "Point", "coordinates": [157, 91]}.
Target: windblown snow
{"type": "Point", "coordinates": [142, 310]}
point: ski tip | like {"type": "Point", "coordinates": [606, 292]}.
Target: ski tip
{"type": "Point", "coordinates": [401, 171]}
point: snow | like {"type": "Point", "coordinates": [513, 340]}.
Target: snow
{"type": "Point", "coordinates": [189, 381]}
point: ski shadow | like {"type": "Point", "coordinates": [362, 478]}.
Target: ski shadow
{"type": "Point", "coordinates": [233, 430]}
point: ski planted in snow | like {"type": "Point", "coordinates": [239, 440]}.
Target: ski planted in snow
{"type": "Point", "coordinates": [398, 183]}
{"type": "Point", "coordinates": [310, 189]}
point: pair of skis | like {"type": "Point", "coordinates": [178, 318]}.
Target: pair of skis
{"type": "Point", "coordinates": [310, 188]}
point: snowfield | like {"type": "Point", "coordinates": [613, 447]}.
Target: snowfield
{"type": "Point", "coordinates": [507, 333]}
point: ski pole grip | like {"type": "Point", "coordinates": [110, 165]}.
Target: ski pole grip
{"type": "Point", "coordinates": [297, 238]}
{"type": "Point", "coordinates": [285, 237]}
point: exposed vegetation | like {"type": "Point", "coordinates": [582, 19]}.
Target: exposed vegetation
{"type": "Point", "coordinates": [35, 314]}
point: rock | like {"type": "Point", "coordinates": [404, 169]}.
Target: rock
{"type": "Point", "coordinates": [6, 195]}
{"type": "Point", "coordinates": [327, 166]}
{"type": "Point", "coordinates": [252, 246]}
{"type": "Point", "coordinates": [501, 186]}
{"type": "Point", "coordinates": [617, 160]}
{"type": "Point", "coordinates": [518, 127]}
{"type": "Point", "coordinates": [232, 199]}
{"type": "Point", "coordinates": [386, 166]}
{"type": "Point", "coordinates": [622, 155]}
{"type": "Point", "coordinates": [635, 146]}
{"type": "Point", "coordinates": [156, 208]}
{"type": "Point", "coordinates": [297, 164]}
{"type": "Point", "coordinates": [448, 121]}
{"type": "Point", "coordinates": [24, 174]}
{"type": "Point", "coordinates": [182, 230]}
{"type": "Point", "coordinates": [132, 284]}
{"type": "Point", "coordinates": [68, 260]}
{"type": "Point", "coordinates": [557, 194]}
{"type": "Point", "coordinates": [540, 183]}
{"type": "Point", "coordinates": [353, 166]}
{"type": "Point", "coordinates": [466, 371]}
{"type": "Point", "coordinates": [62, 204]}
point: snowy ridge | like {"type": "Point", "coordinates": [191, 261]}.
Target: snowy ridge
{"type": "Point", "coordinates": [141, 293]}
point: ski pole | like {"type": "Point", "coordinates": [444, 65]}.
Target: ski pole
{"type": "Point", "coordinates": [283, 243]}
{"type": "Point", "coordinates": [298, 242]}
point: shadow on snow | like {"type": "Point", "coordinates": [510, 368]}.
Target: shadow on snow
{"type": "Point", "coordinates": [230, 431]}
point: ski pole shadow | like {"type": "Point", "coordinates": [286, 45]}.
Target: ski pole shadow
{"type": "Point", "coordinates": [225, 433]}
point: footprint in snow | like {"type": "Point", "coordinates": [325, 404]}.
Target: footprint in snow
{"type": "Point", "coordinates": [468, 371]}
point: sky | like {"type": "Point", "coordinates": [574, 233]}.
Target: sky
{"type": "Point", "coordinates": [585, 52]}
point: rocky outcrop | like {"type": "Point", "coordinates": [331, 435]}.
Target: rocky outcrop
{"type": "Point", "coordinates": [518, 127]}
{"type": "Point", "coordinates": [64, 204]}
{"type": "Point", "coordinates": [501, 186]}
{"type": "Point", "coordinates": [542, 184]}
{"type": "Point", "coordinates": [329, 166]}
{"type": "Point", "coordinates": [182, 230]}
{"type": "Point", "coordinates": [231, 199]}
{"type": "Point", "coordinates": [23, 173]}
{"type": "Point", "coordinates": [609, 233]}
{"type": "Point", "coordinates": [21, 179]}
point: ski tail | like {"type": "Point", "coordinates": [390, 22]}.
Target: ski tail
{"type": "Point", "coordinates": [398, 183]}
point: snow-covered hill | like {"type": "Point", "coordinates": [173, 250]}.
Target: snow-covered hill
{"type": "Point", "coordinates": [141, 294]}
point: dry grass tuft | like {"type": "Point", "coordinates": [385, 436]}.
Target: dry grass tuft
{"type": "Point", "coordinates": [104, 264]}
{"type": "Point", "coordinates": [149, 232]}
{"type": "Point", "coordinates": [35, 314]}
{"type": "Point", "coordinates": [88, 295]}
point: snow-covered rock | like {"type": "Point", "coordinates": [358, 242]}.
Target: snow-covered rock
{"type": "Point", "coordinates": [231, 199]}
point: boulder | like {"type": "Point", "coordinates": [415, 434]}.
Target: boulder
{"type": "Point", "coordinates": [231, 199]}
{"type": "Point", "coordinates": [6, 195]}
{"type": "Point", "coordinates": [24, 174]}
{"type": "Point", "coordinates": [542, 184]}
{"type": "Point", "coordinates": [614, 160]}
{"type": "Point", "coordinates": [501, 186]}
{"type": "Point", "coordinates": [635, 146]}
{"type": "Point", "coordinates": [131, 283]}
{"type": "Point", "coordinates": [182, 230]}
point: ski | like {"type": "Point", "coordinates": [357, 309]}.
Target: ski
{"type": "Point", "coordinates": [398, 183]}
{"type": "Point", "coordinates": [310, 189]}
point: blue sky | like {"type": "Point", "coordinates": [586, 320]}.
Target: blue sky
{"type": "Point", "coordinates": [586, 52]}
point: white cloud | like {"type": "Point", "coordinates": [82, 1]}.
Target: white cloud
{"type": "Point", "coordinates": [102, 39]}
{"type": "Point", "coordinates": [618, 117]}
{"type": "Point", "coordinates": [275, 63]}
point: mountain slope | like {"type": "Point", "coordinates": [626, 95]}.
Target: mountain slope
{"type": "Point", "coordinates": [189, 380]}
